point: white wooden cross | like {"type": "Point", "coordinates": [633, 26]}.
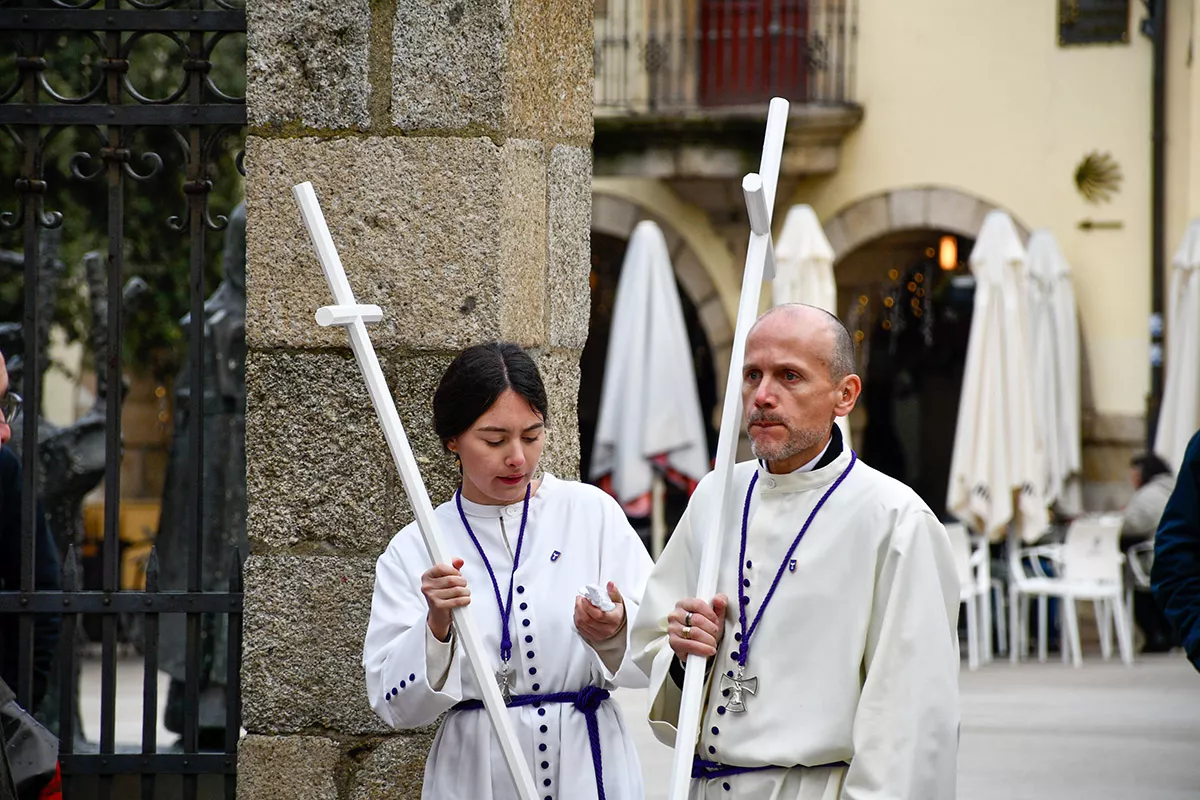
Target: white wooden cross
{"type": "Point", "coordinates": [353, 317]}
{"type": "Point", "coordinates": [759, 189]}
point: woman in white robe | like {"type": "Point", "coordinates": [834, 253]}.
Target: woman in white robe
{"type": "Point", "coordinates": [490, 410]}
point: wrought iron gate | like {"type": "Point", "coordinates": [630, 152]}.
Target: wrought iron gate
{"type": "Point", "coordinates": [202, 119]}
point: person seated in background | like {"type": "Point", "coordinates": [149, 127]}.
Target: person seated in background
{"type": "Point", "coordinates": [1152, 484]}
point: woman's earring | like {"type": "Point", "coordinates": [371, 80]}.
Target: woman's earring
{"type": "Point", "coordinates": [458, 462]}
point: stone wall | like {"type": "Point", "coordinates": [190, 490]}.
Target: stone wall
{"type": "Point", "coordinates": [449, 145]}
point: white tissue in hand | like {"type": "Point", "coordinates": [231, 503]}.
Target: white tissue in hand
{"type": "Point", "coordinates": [597, 597]}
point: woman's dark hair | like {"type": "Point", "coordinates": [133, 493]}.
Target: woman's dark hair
{"type": "Point", "coordinates": [476, 378]}
{"type": "Point", "coordinates": [1150, 466]}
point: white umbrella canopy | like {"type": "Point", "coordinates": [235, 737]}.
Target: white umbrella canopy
{"type": "Point", "coordinates": [1179, 417]}
{"type": "Point", "coordinates": [804, 262]}
{"type": "Point", "coordinates": [1053, 339]}
{"type": "Point", "coordinates": [804, 269]}
{"type": "Point", "coordinates": [994, 470]}
{"type": "Point", "coordinates": [650, 418]}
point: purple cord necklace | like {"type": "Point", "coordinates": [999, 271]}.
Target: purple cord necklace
{"type": "Point", "coordinates": [737, 685]}
{"type": "Point", "coordinates": [504, 677]}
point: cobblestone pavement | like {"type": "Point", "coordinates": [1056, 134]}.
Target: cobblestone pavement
{"type": "Point", "coordinates": [1050, 732]}
{"type": "Point", "coordinates": [1030, 732]}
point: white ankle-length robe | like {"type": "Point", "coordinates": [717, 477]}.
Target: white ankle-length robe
{"type": "Point", "coordinates": [856, 655]}
{"type": "Point", "coordinates": [575, 535]}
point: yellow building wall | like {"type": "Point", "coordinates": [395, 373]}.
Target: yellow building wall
{"type": "Point", "coordinates": [1184, 67]}
{"type": "Point", "coordinates": [1183, 124]}
{"type": "Point", "coordinates": [978, 95]}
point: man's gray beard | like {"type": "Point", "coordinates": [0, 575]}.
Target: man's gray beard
{"type": "Point", "coordinates": [797, 442]}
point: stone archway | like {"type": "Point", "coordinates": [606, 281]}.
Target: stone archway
{"type": "Point", "coordinates": [703, 282]}
{"type": "Point", "coordinates": [701, 274]}
{"type": "Point", "coordinates": [912, 360]}
{"type": "Point", "coordinates": [906, 209]}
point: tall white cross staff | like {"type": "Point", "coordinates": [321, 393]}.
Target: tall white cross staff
{"type": "Point", "coordinates": [353, 317]}
{"type": "Point", "coordinates": [759, 189]}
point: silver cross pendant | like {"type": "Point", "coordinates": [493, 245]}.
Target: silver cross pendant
{"type": "Point", "coordinates": [504, 678]}
{"type": "Point", "coordinates": [738, 686]}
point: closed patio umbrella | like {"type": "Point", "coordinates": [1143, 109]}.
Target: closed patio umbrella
{"type": "Point", "coordinates": [1053, 339]}
{"type": "Point", "coordinates": [1179, 417]}
{"type": "Point", "coordinates": [650, 426]}
{"type": "Point", "coordinates": [994, 473]}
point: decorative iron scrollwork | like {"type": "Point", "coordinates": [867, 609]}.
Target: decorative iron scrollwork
{"type": "Point", "coordinates": [77, 169]}
{"type": "Point", "coordinates": [74, 67]}
{"type": "Point", "coordinates": [47, 70]}
{"type": "Point", "coordinates": [655, 56]}
{"type": "Point", "coordinates": [816, 53]}
{"type": "Point", "coordinates": [75, 6]}
{"type": "Point", "coordinates": [159, 6]}
{"type": "Point", "coordinates": [179, 91]}
{"type": "Point", "coordinates": [32, 192]}
{"type": "Point", "coordinates": [712, 53]}
{"type": "Point", "coordinates": [12, 134]}
{"type": "Point", "coordinates": [199, 189]}
{"type": "Point", "coordinates": [213, 41]}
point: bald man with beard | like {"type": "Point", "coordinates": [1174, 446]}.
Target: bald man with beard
{"type": "Point", "coordinates": [832, 644]}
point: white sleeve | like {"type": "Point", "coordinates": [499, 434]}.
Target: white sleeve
{"type": "Point", "coordinates": [672, 579]}
{"type": "Point", "coordinates": [1143, 512]}
{"type": "Point", "coordinates": [412, 678]}
{"type": "Point", "coordinates": [438, 657]}
{"type": "Point", "coordinates": [625, 562]}
{"type": "Point", "coordinates": [906, 727]}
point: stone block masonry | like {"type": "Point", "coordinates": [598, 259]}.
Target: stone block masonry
{"type": "Point", "coordinates": [449, 144]}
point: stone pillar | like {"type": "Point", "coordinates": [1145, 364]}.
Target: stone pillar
{"type": "Point", "coordinates": [449, 144]}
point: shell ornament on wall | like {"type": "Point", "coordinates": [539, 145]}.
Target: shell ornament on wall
{"type": "Point", "coordinates": [1098, 177]}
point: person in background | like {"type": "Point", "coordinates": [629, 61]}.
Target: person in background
{"type": "Point", "coordinates": [46, 629]}
{"type": "Point", "coordinates": [29, 768]}
{"type": "Point", "coordinates": [46, 575]}
{"type": "Point", "coordinates": [1175, 577]}
{"type": "Point", "coordinates": [1152, 485]}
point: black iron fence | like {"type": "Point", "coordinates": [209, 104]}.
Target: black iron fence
{"type": "Point", "coordinates": [122, 133]}
{"type": "Point", "coordinates": [686, 55]}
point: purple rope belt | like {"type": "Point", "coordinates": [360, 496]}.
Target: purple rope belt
{"type": "Point", "coordinates": [709, 770]}
{"type": "Point", "coordinates": [586, 701]}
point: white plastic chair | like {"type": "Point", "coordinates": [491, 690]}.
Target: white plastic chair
{"type": "Point", "coordinates": [1001, 615]}
{"type": "Point", "coordinates": [991, 591]}
{"type": "Point", "coordinates": [969, 587]}
{"type": "Point", "coordinates": [1090, 568]}
{"type": "Point", "coordinates": [1035, 555]}
{"type": "Point", "coordinates": [1140, 558]}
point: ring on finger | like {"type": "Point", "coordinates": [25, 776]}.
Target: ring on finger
{"type": "Point", "coordinates": [687, 632]}
{"type": "Point", "coordinates": [687, 619]}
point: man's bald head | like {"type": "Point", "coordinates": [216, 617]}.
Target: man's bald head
{"type": "Point", "coordinates": [837, 350]}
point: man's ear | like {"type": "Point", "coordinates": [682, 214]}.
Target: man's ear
{"type": "Point", "coordinates": [848, 391]}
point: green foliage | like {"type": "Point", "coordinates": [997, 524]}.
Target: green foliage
{"type": "Point", "coordinates": [153, 342]}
